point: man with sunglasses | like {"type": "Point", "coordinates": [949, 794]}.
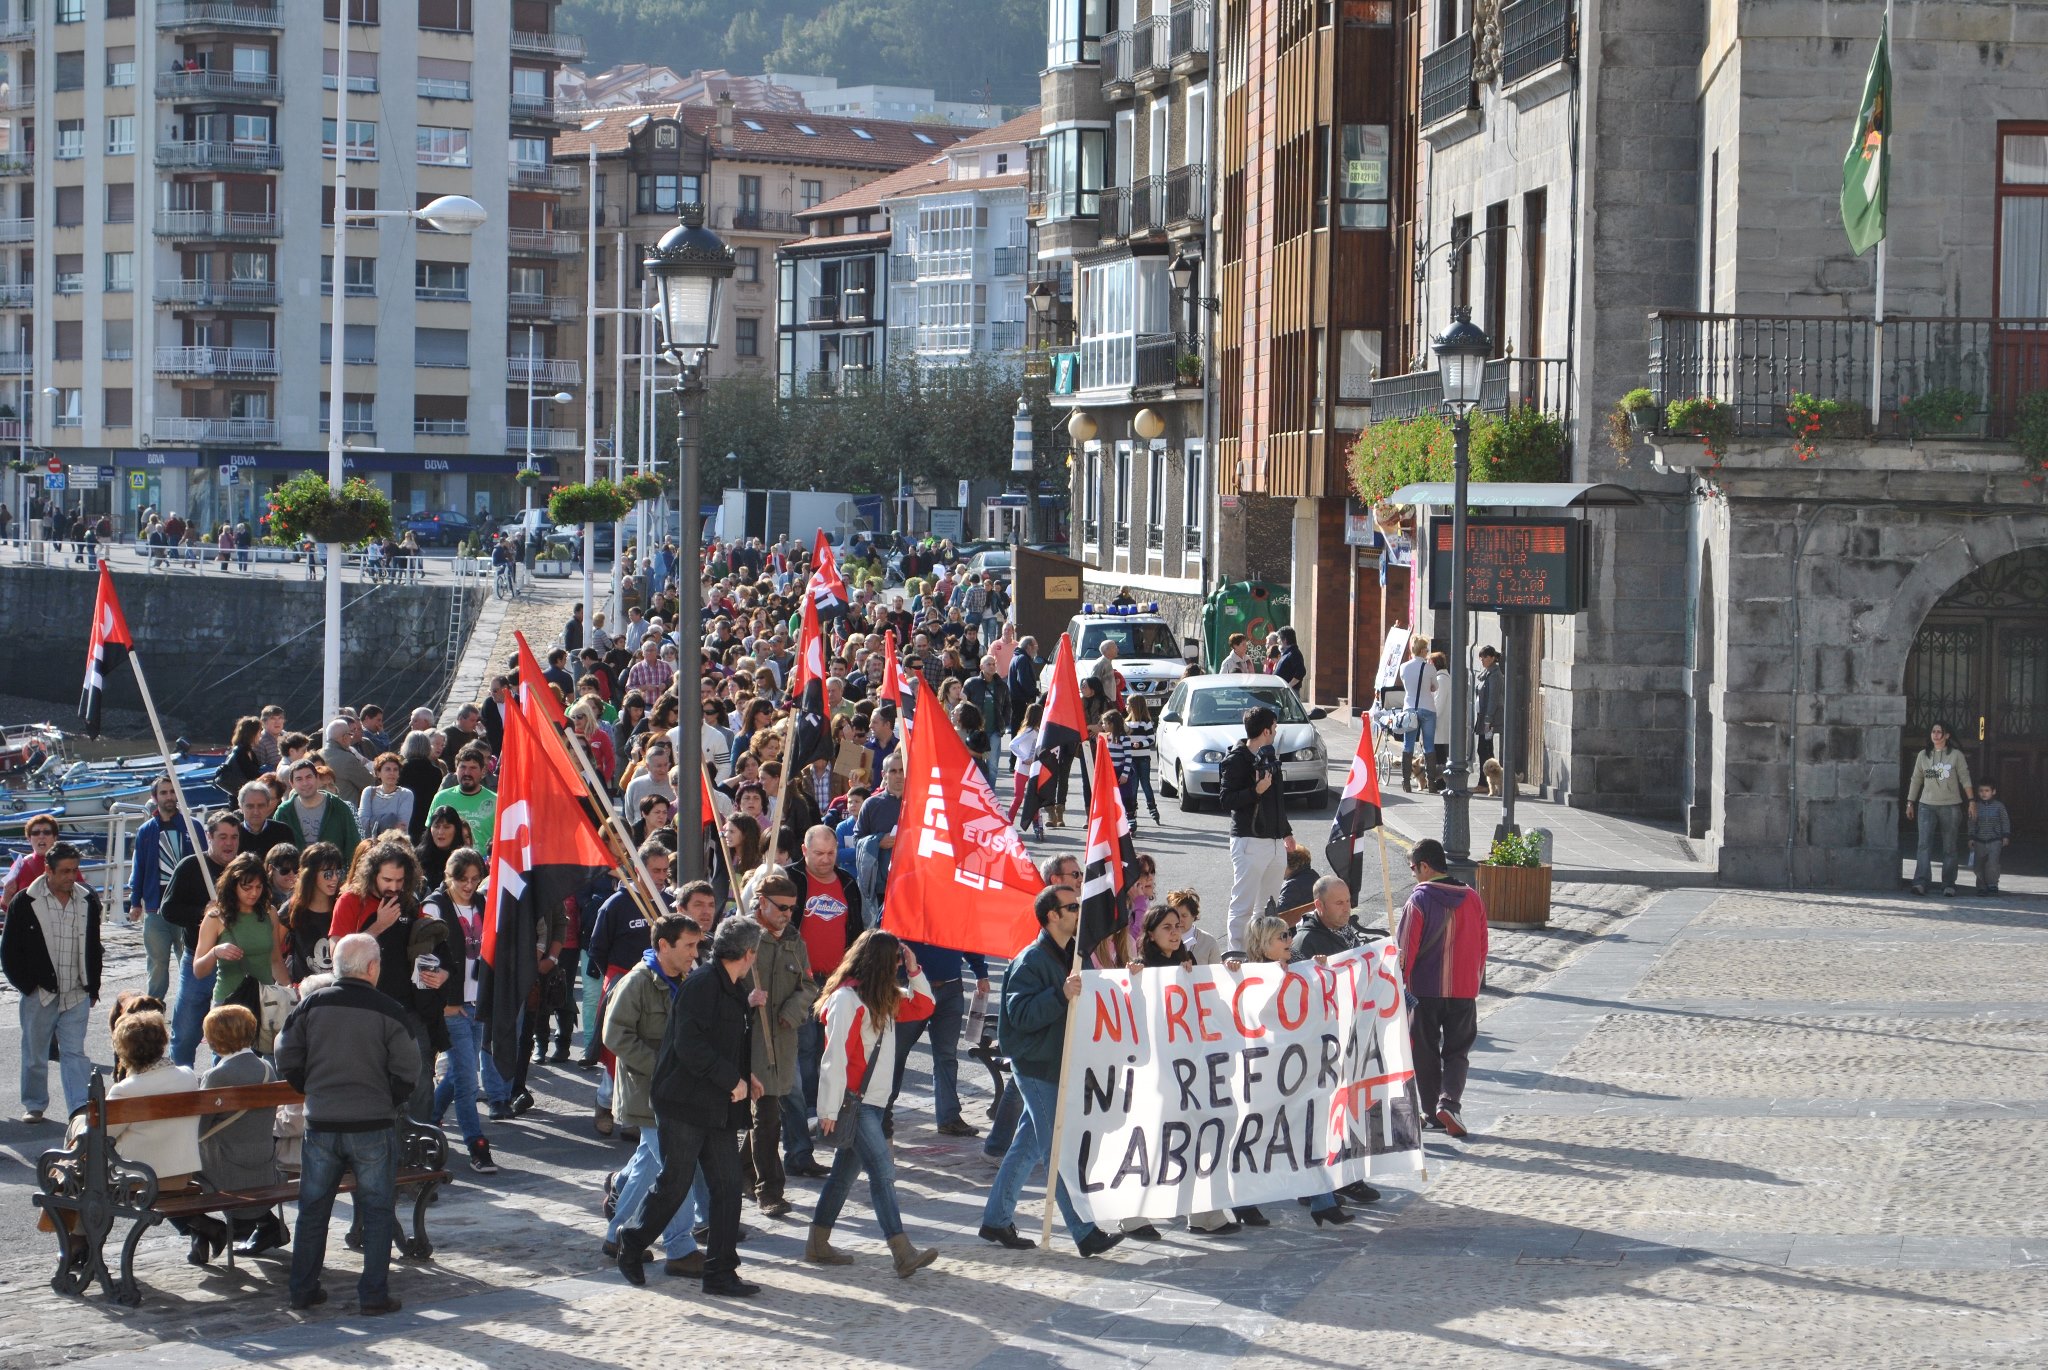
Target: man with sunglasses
{"type": "Point", "coordinates": [783, 972]}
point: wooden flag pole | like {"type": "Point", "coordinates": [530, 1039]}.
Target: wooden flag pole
{"type": "Point", "coordinates": [788, 782]}
{"type": "Point", "coordinates": [163, 748]}
{"type": "Point", "coordinates": [725, 850]}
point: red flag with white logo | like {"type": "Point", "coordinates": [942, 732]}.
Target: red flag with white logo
{"type": "Point", "coordinates": [111, 643]}
{"type": "Point", "coordinates": [828, 589]}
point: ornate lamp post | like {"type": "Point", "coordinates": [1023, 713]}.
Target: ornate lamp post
{"type": "Point", "coordinates": [690, 266]}
{"type": "Point", "coordinates": [1461, 352]}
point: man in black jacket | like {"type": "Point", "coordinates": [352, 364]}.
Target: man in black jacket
{"type": "Point", "coordinates": [1292, 667]}
{"type": "Point", "coordinates": [50, 950]}
{"type": "Point", "coordinates": [989, 694]}
{"type": "Point", "coordinates": [702, 1085]}
{"type": "Point", "coordinates": [1250, 790]}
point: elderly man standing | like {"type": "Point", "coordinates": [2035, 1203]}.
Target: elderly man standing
{"type": "Point", "coordinates": [50, 949]}
{"type": "Point", "coordinates": [350, 1051]}
{"type": "Point", "coordinates": [351, 776]}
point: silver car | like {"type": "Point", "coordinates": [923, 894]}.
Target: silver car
{"type": "Point", "coordinates": [1204, 718]}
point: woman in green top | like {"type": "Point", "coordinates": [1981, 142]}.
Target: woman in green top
{"type": "Point", "coordinates": [241, 936]}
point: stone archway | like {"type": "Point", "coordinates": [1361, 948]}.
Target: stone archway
{"type": "Point", "coordinates": [1979, 661]}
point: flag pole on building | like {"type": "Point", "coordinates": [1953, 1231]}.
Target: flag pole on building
{"type": "Point", "coordinates": [1866, 185]}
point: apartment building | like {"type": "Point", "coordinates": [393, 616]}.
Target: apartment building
{"type": "Point", "coordinates": [169, 193]}
{"type": "Point", "coordinates": [1120, 193]}
{"type": "Point", "coordinates": [927, 265]}
{"type": "Point", "coordinates": [756, 171]}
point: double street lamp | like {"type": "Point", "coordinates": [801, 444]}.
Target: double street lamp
{"type": "Point", "coordinates": [690, 266]}
{"type": "Point", "coordinates": [1461, 351]}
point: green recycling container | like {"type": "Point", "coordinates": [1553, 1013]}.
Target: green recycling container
{"type": "Point", "coordinates": [1252, 607]}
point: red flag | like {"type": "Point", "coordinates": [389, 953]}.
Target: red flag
{"type": "Point", "coordinates": [827, 588]}
{"type": "Point", "coordinates": [1109, 860]}
{"type": "Point", "coordinates": [1358, 813]}
{"type": "Point", "coordinates": [891, 691]}
{"type": "Point", "coordinates": [961, 877]}
{"type": "Point", "coordinates": [110, 645]}
{"type": "Point", "coordinates": [534, 685]}
{"type": "Point", "coordinates": [709, 812]}
{"type": "Point", "coordinates": [544, 850]}
{"type": "Point", "coordinates": [1061, 729]}
{"type": "Point", "coordinates": [810, 655]}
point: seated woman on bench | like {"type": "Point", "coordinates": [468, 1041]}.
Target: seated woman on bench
{"type": "Point", "coordinates": [236, 1150]}
{"type": "Point", "coordinates": [169, 1147]}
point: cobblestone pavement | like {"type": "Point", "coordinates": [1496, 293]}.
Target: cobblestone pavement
{"type": "Point", "coordinates": [1710, 1128]}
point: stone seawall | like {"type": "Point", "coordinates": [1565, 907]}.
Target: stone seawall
{"type": "Point", "coordinates": [216, 648]}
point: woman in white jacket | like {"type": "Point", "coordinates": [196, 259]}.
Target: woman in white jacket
{"type": "Point", "coordinates": [860, 1006]}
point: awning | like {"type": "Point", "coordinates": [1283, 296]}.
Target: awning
{"type": "Point", "coordinates": [1519, 495]}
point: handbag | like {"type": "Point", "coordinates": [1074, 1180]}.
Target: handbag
{"type": "Point", "coordinates": [849, 1108]}
{"type": "Point", "coordinates": [1404, 721]}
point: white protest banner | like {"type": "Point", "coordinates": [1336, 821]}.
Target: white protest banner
{"type": "Point", "coordinates": [1190, 1090]}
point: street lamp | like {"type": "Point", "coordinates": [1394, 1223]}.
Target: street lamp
{"type": "Point", "coordinates": [1461, 352]}
{"type": "Point", "coordinates": [690, 266]}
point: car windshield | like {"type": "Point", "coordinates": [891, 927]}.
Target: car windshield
{"type": "Point", "coordinates": [1133, 640]}
{"type": "Point", "coordinates": [1226, 704]}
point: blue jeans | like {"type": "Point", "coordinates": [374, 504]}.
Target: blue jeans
{"type": "Point", "coordinates": [1426, 735]}
{"type": "Point", "coordinates": [870, 1152]}
{"type": "Point", "coordinates": [160, 937]}
{"type": "Point", "coordinates": [1028, 1150]}
{"type": "Point", "coordinates": [188, 1016]}
{"type": "Point", "coordinates": [373, 1156]}
{"type": "Point", "coordinates": [1141, 779]}
{"type": "Point", "coordinates": [458, 1081]}
{"type": "Point", "coordinates": [42, 1024]}
{"type": "Point", "coordinates": [797, 1104]}
{"type": "Point", "coordinates": [1943, 823]}
{"type": "Point", "coordinates": [949, 1016]}
{"type": "Point", "coordinates": [634, 1184]}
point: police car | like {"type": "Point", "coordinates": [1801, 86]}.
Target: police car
{"type": "Point", "coordinates": [1148, 652]}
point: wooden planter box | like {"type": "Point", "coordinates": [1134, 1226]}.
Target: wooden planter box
{"type": "Point", "coordinates": [1518, 895]}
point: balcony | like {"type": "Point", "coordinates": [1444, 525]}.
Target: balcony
{"type": "Point", "coordinates": [566, 47]}
{"type": "Point", "coordinates": [1190, 37]}
{"type": "Point", "coordinates": [1187, 196]}
{"type": "Point", "coordinates": [177, 15]}
{"type": "Point", "coordinates": [221, 224]}
{"type": "Point", "coordinates": [177, 429]}
{"type": "Point", "coordinates": [1536, 35]}
{"type": "Point", "coordinates": [212, 84]}
{"type": "Point", "coordinates": [17, 363]}
{"type": "Point", "coordinates": [216, 361]}
{"type": "Point", "coordinates": [1447, 87]}
{"type": "Point", "coordinates": [17, 163]}
{"type": "Point", "coordinates": [522, 304]}
{"type": "Point", "coordinates": [823, 309]}
{"type": "Point", "coordinates": [440, 428]}
{"type": "Point", "coordinates": [543, 242]}
{"type": "Point", "coordinates": [543, 371]}
{"type": "Point", "coordinates": [902, 268]}
{"type": "Point", "coordinates": [17, 230]}
{"type": "Point", "coordinates": [1159, 361]}
{"type": "Point", "coordinates": [542, 440]}
{"type": "Point", "coordinates": [1151, 52]}
{"type": "Point", "coordinates": [1006, 335]}
{"type": "Point", "coordinates": [1543, 383]}
{"type": "Point", "coordinates": [547, 176]}
{"type": "Point", "coordinates": [17, 31]}
{"type": "Point", "coordinates": [1119, 64]}
{"type": "Point", "coordinates": [539, 109]}
{"type": "Point", "coordinates": [219, 156]}
{"type": "Point", "coordinates": [17, 296]}
{"type": "Point", "coordinates": [441, 88]}
{"type": "Point", "coordinates": [1131, 211]}
{"type": "Point", "coordinates": [18, 96]}
{"type": "Point", "coordinates": [763, 221]}
{"type": "Point", "coordinates": [217, 294]}
{"type": "Point", "coordinates": [1755, 363]}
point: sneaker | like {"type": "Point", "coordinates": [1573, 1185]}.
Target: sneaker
{"type": "Point", "coordinates": [958, 1127]}
{"type": "Point", "coordinates": [522, 1102]}
{"type": "Point", "coordinates": [1948, 891]}
{"type": "Point", "coordinates": [32, 1117]}
{"type": "Point", "coordinates": [480, 1157]}
{"type": "Point", "coordinates": [1452, 1123]}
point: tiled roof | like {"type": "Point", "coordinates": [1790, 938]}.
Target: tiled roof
{"type": "Point", "coordinates": [879, 238]}
{"type": "Point", "coordinates": [931, 172]}
{"type": "Point", "coordinates": [1017, 130]}
{"type": "Point", "coordinates": [763, 135]}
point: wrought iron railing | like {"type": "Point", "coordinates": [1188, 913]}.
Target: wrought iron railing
{"type": "Point", "coordinates": [1535, 34]}
{"type": "Point", "coordinates": [1447, 88]}
{"type": "Point", "coordinates": [1119, 58]}
{"type": "Point", "coordinates": [1187, 194]}
{"type": "Point", "coordinates": [1543, 383]}
{"type": "Point", "coordinates": [1167, 359]}
{"type": "Point", "coordinates": [1152, 47]}
{"type": "Point", "coordinates": [1191, 29]}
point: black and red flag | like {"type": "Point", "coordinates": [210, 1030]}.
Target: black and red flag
{"type": "Point", "coordinates": [807, 693]}
{"type": "Point", "coordinates": [1358, 813]}
{"type": "Point", "coordinates": [544, 851]}
{"type": "Point", "coordinates": [111, 643]}
{"type": "Point", "coordinates": [828, 589]}
{"type": "Point", "coordinates": [1109, 863]}
{"type": "Point", "coordinates": [1061, 728]}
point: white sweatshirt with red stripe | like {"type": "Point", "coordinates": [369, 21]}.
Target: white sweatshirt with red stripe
{"type": "Point", "coordinates": [853, 1038]}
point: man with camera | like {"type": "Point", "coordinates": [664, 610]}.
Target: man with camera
{"type": "Point", "coordinates": [1251, 792]}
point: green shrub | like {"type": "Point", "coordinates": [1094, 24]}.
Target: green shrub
{"type": "Point", "coordinates": [1516, 849]}
{"type": "Point", "coordinates": [1523, 444]}
{"type": "Point", "coordinates": [598, 502]}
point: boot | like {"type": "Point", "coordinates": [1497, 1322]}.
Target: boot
{"type": "Point", "coordinates": [1408, 772]}
{"type": "Point", "coordinates": [818, 1249]}
{"type": "Point", "coordinates": [909, 1260]}
{"type": "Point", "coordinates": [1433, 775]}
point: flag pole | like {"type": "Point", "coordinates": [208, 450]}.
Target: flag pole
{"type": "Point", "coordinates": [171, 767]}
{"type": "Point", "coordinates": [1885, 152]}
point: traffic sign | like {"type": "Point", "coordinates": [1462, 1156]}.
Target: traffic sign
{"type": "Point", "coordinates": [55, 464]}
{"type": "Point", "coordinates": [86, 477]}
{"type": "Point", "coordinates": [53, 481]}
{"type": "Point", "coordinates": [138, 480]}
{"type": "Point", "coordinates": [230, 473]}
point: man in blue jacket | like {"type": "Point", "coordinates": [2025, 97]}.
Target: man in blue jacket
{"type": "Point", "coordinates": [1037, 993]}
{"type": "Point", "coordinates": [161, 842]}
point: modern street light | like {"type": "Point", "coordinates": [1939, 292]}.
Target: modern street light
{"type": "Point", "coordinates": [1461, 352]}
{"type": "Point", "coordinates": [690, 266]}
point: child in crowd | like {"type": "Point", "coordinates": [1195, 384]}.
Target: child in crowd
{"type": "Point", "coordinates": [1990, 834]}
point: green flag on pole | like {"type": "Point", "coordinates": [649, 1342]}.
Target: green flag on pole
{"type": "Point", "coordinates": [1866, 171]}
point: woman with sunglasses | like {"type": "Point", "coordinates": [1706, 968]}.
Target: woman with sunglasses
{"type": "Point", "coordinates": [308, 948]}
{"type": "Point", "coordinates": [241, 937]}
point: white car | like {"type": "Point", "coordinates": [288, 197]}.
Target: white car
{"type": "Point", "coordinates": [1148, 655]}
{"type": "Point", "coordinates": [1204, 718]}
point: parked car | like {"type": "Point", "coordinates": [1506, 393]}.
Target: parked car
{"type": "Point", "coordinates": [1204, 718]}
{"type": "Point", "coordinates": [569, 535]}
{"type": "Point", "coordinates": [439, 527]}
{"type": "Point", "coordinates": [996, 559]}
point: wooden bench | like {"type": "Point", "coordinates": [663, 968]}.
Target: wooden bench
{"type": "Point", "coordinates": [92, 1187]}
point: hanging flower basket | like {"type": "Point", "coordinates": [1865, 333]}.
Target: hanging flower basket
{"type": "Point", "coordinates": [304, 508]}
{"type": "Point", "coordinates": [599, 502]}
{"type": "Point", "coordinates": [641, 487]}
{"type": "Point", "coordinates": [531, 478]}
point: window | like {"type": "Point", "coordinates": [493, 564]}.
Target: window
{"type": "Point", "coordinates": [443, 78]}
{"type": "Point", "coordinates": [362, 138]}
{"type": "Point", "coordinates": [70, 206]}
{"type": "Point", "coordinates": [1194, 495]}
{"type": "Point", "coordinates": [440, 280]}
{"type": "Point", "coordinates": [362, 70]}
{"type": "Point", "coordinates": [253, 130]}
{"type": "Point", "coordinates": [1535, 210]}
{"type": "Point", "coordinates": [664, 192]}
{"type": "Point", "coordinates": [121, 66]}
{"type": "Point", "coordinates": [71, 11]}
{"type": "Point", "coordinates": [945, 241]}
{"type": "Point", "coordinates": [121, 202]}
{"type": "Point", "coordinates": [749, 262]}
{"type": "Point", "coordinates": [750, 194]}
{"type": "Point", "coordinates": [117, 339]}
{"type": "Point", "coordinates": [1075, 32]}
{"type": "Point", "coordinates": [70, 71]}
{"type": "Point", "coordinates": [251, 62]}
{"type": "Point", "coordinates": [1155, 497]}
{"type": "Point", "coordinates": [65, 410]}
{"type": "Point", "coordinates": [440, 416]}
{"type": "Point", "coordinates": [361, 273]}
{"type": "Point", "coordinates": [747, 337]}
{"type": "Point", "coordinates": [1362, 178]}
{"type": "Point", "coordinates": [1495, 318]}
{"type": "Point", "coordinates": [120, 272]}
{"type": "Point", "coordinates": [443, 146]}
{"type": "Point", "coordinates": [69, 339]}
{"type": "Point", "coordinates": [1091, 491]}
{"type": "Point", "coordinates": [359, 11]}
{"type": "Point", "coordinates": [1159, 137]}
{"type": "Point", "coordinates": [118, 404]}
{"type": "Point", "coordinates": [448, 16]}
{"type": "Point", "coordinates": [807, 130]}
{"type": "Point", "coordinates": [529, 151]}
{"type": "Point", "coordinates": [358, 343]}
{"type": "Point", "coordinates": [945, 316]}
{"type": "Point", "coordinates": [249, 404]}
{"type": "Point", "coordinates": [1073, 172]}
{"type": "Point", "coordinates": [1116, 301]}
{"type": "Point", "coordinates": [1195, 128]}
{"type": "Point", "coordinates": [1358, 361]}
{"type": "Point", "coordinates": [440, 347]}
{"type": "Point", "coordinates": [1122, 508]}
{"type": "Point", "coordinates": [120, 135]}
{"type": "Point", "coordinates": [70, 139]}
{"type": "Point", "coordinates": [359, 197]}
{"type": "Point", "coordinates": [814, 194]}
{"type": "Point", "coordinates": [70, 273]}
{"type": "Point", "coordinates": [358, 412]}
{"type": "Point", "coordinates": [1461, 262]}
{"type": "Point", "coordinates": [2021, 232]}
{"type": "Point", "coordinates": [529, 85]}
{"type": "Point", "coordinates": [249, 266]}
